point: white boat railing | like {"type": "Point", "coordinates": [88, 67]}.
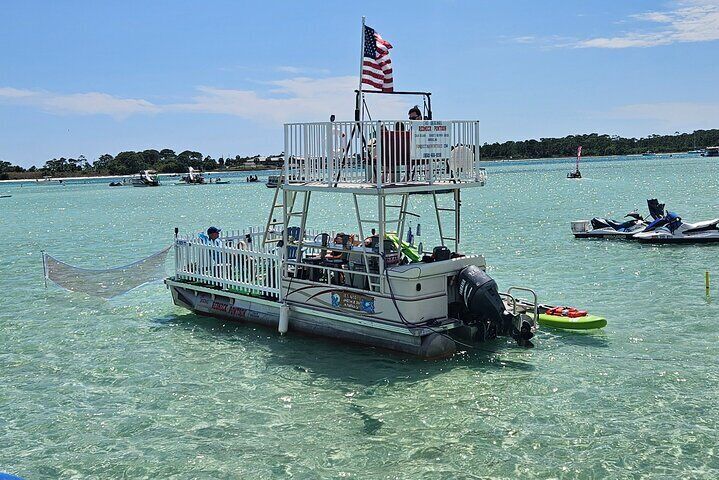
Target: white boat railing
{"type": "Point", "coordinates": [240, 263]}
{"type": "Point", "coordinates": [235, 265]}
{"type": "Point", "coordinates": [383, 153]}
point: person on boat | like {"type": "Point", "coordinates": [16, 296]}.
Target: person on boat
{"type": "Point", "coordinates": [415, 113]}
{"type": "Point", "coordinates": [212, 237]}
{"type": "Point", "coordinates": [341, 240]}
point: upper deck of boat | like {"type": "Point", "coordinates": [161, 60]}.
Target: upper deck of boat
{"type": "Point", "coordinates": [392, 156]}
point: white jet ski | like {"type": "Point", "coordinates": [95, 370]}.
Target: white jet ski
{"type": "Point", "coordinates": [671, 229]}
{"type": "Point", "coordinates": [607, 228]}
{"type": "Point", "coordinates": [600, 227]}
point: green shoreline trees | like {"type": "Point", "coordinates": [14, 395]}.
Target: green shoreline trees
{"type": "Point", "coordinates": [130, 162]}
{"type": "Point", "coordinates": [594, 144]}
{"type": "Point", "coordinates": [167, 161]}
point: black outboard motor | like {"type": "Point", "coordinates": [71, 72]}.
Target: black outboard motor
{"type": "Point", "coordinates": [480, 296]}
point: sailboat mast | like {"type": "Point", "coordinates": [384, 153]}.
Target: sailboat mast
{"type": "Point", "coordinates": [579, 154]}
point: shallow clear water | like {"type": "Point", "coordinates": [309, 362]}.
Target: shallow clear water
{"type": "Point", "coordinates": [135, 387]}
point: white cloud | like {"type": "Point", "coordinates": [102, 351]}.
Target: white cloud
{"type": "Point", "coordinates": [525, 39]}
{"type": "Point", "coordinates": [7, 92]}
{"type": "Point", "coordinates": [690, 21]}
{"type": "Point", "coordinates": [92, 103]}
{"type": "Point", "coordinates": [279, 101]}
{"type": "Point", "coordinates": [299, 98]}
{"type": "Point", "coordinates": [301, 70]}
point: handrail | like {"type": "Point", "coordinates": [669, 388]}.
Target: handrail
{"type": "Point", "coordinates": [248, 267]}
{"type": "Point", "coordinates": [382, 153]}
{"type": "Point", "coordinates": [534, 294]}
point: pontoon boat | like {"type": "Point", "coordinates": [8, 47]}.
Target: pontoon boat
{"type": "Point", "coordinates": [146, 178]}
{"type": "Point", "coordinates": [368, 286]}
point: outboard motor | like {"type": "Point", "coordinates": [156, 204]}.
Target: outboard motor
{"type": "Point", "coordinates": [480, 296]}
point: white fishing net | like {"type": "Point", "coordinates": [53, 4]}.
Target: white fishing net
{"type": "Point", "coordinates": [106, 283]}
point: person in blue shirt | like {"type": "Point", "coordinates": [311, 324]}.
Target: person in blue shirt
{"type": "Point", "coordinates": [212, 237]}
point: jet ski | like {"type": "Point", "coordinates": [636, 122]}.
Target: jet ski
{"type": "Point", "coordinates": [671, 229]}
{"type": "Point", "coordinates": [608, 228]}
{"type": "Point", "coordinates": [599, 227]}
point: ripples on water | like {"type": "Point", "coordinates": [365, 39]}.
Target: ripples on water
{"type": "Point", "coordinates": [135, 387]}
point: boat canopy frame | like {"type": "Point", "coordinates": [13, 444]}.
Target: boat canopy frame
{"type": "Point", "coordinates": [361, 105]}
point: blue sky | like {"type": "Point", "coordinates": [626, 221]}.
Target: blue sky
{"type": "Point", "coordinates": [88, 77]}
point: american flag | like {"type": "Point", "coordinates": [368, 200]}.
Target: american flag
{"type": "Point", "coordinates": [376, 64]}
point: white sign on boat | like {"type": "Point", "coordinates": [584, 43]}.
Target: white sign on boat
{"type": "Point", "coordinates": [432, 139]}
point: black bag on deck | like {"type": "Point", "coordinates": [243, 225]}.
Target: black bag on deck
{"type": "Point", "coordinates": [441, 253]}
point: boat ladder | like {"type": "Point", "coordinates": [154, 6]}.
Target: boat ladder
{"type": "Point", "coordinates": [451, 211]}
{"type": "Point", "coordinates": [392, 219]}
{"type": "Point", "coordinates": [272, 235]}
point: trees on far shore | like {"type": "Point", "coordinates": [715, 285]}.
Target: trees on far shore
{"type": "Point", "coordinates": [167, 161]}
{"type": "Point", "coordinates": [594, 144]}
{"type": "Point", "coordinates": [130, 162]}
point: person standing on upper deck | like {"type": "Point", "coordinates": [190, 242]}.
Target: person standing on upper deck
{"type": "Point", "coordinates": [415, 113]}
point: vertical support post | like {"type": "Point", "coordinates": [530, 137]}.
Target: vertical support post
{"type": "Point", "coordinates": [476, 151]}
{"type": "Point", "coordinates": [402, 216]}
{"type": "Point", "coordinates": [457, 228]}
{"type": "Point", "coordinates": [365, 258]}
{"type": "Point", "coordinates": [381, 204]}
{"type": "Point", "coordinates": [303, 224]}
{"type": "Point", "coordinates": [285, 167]}
{"type": "Point", "coordinates": [378, 154]}
{"type": "Point", "coordinates": [177, 254]}
{"type": "Point", "coordinates": [361, 61]}
{"type": "Point", "coordinates": [439, 220]}
{"type": "Point", "coordinates": [330, 151]}
{"type": "Point", "coordinates": [285, 237]}
{"type": "Point", "coordinates": [306, 154]}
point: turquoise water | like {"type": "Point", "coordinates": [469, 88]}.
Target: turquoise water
{"type": "Point", "coordinates": [137, 388]}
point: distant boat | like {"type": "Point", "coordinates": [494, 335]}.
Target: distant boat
{"type": "Point", "coordinates": [193, 178]}
{"type": "Point", "coordinates": [711, 152]}
{"type": "Point", "coordinates": [648, 153]}
{"type": "Point", "coordinates": [273, 181]}
{"type": "Point", "coordinates": [5, 196]}
{"type": "Point", "coordinates": [695, 152]}
{"type": "Point", "coordinates": [146, 178]}
{"type": "Point", "coordinates": [576, 173]}
{"type": "Point", "coordinates": [198, 178]}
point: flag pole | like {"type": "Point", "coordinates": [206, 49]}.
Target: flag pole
{"type": "Point", "coordinates": [359, 90]}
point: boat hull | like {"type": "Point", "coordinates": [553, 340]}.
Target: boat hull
{"type": "Point", "coordinates": [607, 234]}
{"type": "Point", "coordinates": [246, 309]}
{"type": "Point", "coordinates": [679, 240]}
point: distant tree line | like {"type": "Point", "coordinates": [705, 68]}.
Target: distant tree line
{"type": "Point", "coordinates": [129, 163]}
{"type": "Point", "coordinates": [167, 161]}
{"type": "Point", "coordinates": [594, 144]}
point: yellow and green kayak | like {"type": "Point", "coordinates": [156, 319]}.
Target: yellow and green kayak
{"type": "Point", "coordinates": [587, 322]}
